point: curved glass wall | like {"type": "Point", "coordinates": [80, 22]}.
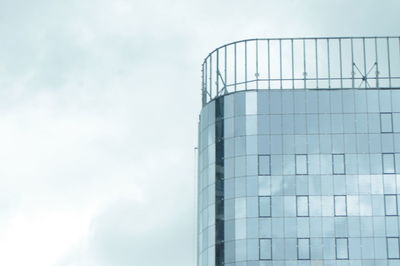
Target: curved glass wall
{"type": "Point", "coordinates": [300, 177]}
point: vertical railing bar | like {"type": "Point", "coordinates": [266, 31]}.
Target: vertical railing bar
{"type": "Point", "coordinates": [211, 86]}
{"type": "Point", "coordinates": [365, 64]}
{"type": "Point", "coordinates": [245, 64]}
{"type": "Point", "coordinates": [217, 73]}
{"type": "Point", "coordinates": [352, 63]}
{"type": "Point", "coordinates": [269, 66]}
{"type": "Point", "coordinates": [280, 62]}
{"type": "Point", "coordinates": [292, 64]}
{"type": "Point", "coordinates": [225, 70]}
{"type": "Point", "coordinates": [388, 55]}
{"type": "Point", "coordinates": [304, 63]}
{"type": "Point", "coordinates": [376, 64]}
{"type": "Point", "coordinates": [341, 63]}
{"type": "Point", "coordinates": [329, 63]}
{"type": "Point", "coordinates": [235, 66]}
{"type": "Point", "coordinates": [316, 62]}
{"type": "Point", "coordinates": [257, 64]}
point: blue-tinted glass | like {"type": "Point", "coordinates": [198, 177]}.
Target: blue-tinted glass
{"type": "Point", "coordinates": [386, 123]}
{"type": "Point", "coordinates": [388, 163]}
{"type": "Point", "coordinates": [338, 163]}
{"type": "Point", "coordinates": [393, 248]}
{"type": "Point", "coordinates": [340, 205]}
{"type": "Point", "coordinates": [302, 206]}
{"type": "Point", "coordinates": [265, 249]}
{"type": "Point", "coordinates": [240, 104]}
{"type": "Point", "coordinates": [342, 249]}
{"type": "Point", "coordinates": [301, 164]}
{"type": "Point", "coordinates": [391, 205]}
{"type": "Point", "coordinates": [264, 165]}
{"type": "Point", "coordinates": [396, 122]}
{"type": "Point", "coordinates": [251, 103]}
{"type": "Point", "coordinates": [265, 206]}
{"type": "Point", "coordinates": [299, 102]}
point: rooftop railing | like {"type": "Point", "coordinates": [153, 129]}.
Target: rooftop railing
{"type": "Point", "coordinates": [302, 63]}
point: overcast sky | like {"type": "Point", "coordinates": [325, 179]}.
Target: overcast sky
{"type": "Point", "coordinates": [99, 103]}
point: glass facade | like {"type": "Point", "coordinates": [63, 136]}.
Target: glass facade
{"type": "Point", "coordinates": [300, 178]}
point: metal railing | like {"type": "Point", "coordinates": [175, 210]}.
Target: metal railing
{"type": "Point", "coordinates": [302, 63]}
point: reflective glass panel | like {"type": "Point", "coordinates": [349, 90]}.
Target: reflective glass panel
{"type": "Point", "coordinates": [303, 248]}
{"type": "Point", "coordinates": [301, 164]}
{"type": "Point", "coordinates": [342, 249]}
{"type": "Point", "coordinates": [340, 205]}
{"type": "Point", "coordinates": [265, 249]}
{"type": "Point", "coordinates": [302, 206]}
{"type": "Point", "coordinates": [386, 122]}
{"type": "Point", "coordinates": [390, 205]}
{"type": "Point", "coordinates": [338, 163]}
{"type": "Point", "coordinates": [388, 163]}
{"type": "Point", "coordinates": [264, 204]}
{"type": "Point", "coordinates": [264, 165]}
{"type": "Point", "coordinates": [393, 248]}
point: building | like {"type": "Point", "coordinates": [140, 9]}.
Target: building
{"type": "Point", "coordinates": [299, 153]}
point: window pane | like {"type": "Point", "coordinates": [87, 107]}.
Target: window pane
{"type": "Point", "coordinates": [303, 248]}
{"type": "Point", "coordinates": [301, 164]}
{"type": "Point", "coordinates": [342, 249]}
{"type": "Point", "coordinates": [264, 204]}
{"type": "Point", "coordinates": [302, 206]}
{"type": "Point", "coordinates": [390, 205]}
{"type": "Point", "coordinates": [386, 122]}
{"type": "Point", "coordinates": [393, 248]}
{"type": "Point", "coordinates": [265, 249]}
{"type": "Point", "coordinates": [388, 163]}
{"type": "Point", "coordinates": [338, 163]}
{"type": "Point", "coordinates": [264, 163]}
{"type": "Point", "coordinates": [340, 206]}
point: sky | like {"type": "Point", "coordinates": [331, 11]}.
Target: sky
{"type": "Point", "coordinates": [99, 103]}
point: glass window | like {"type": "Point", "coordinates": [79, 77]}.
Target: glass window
{"type": "Point", "coordinates": [391, 205]}
{"type": "Point", "coordinates": [301, 164]}
{"type": "Point", "coordinates": [265, 249]}
{"type": "Point", "coordinates": [388, 163]}
{"type": "Point", "coordinates": [302, 209]}
{"type": "Point", "coordinates": [303, 248]}
{"type": "Point", "coordinates": [342, 248]}
{"type": "Point", "coordinates": [264, 206]}
{"type": "Point", "coordinates": [338, 164]}
{"type": "Point", "coordinates": [340, 205]}
{"type": "Point", "coordinates": [264, 164]}
{"type": "Point", "coordinates": [393, 248]}
{"type": "Point", "coordinates": [386, 123]}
